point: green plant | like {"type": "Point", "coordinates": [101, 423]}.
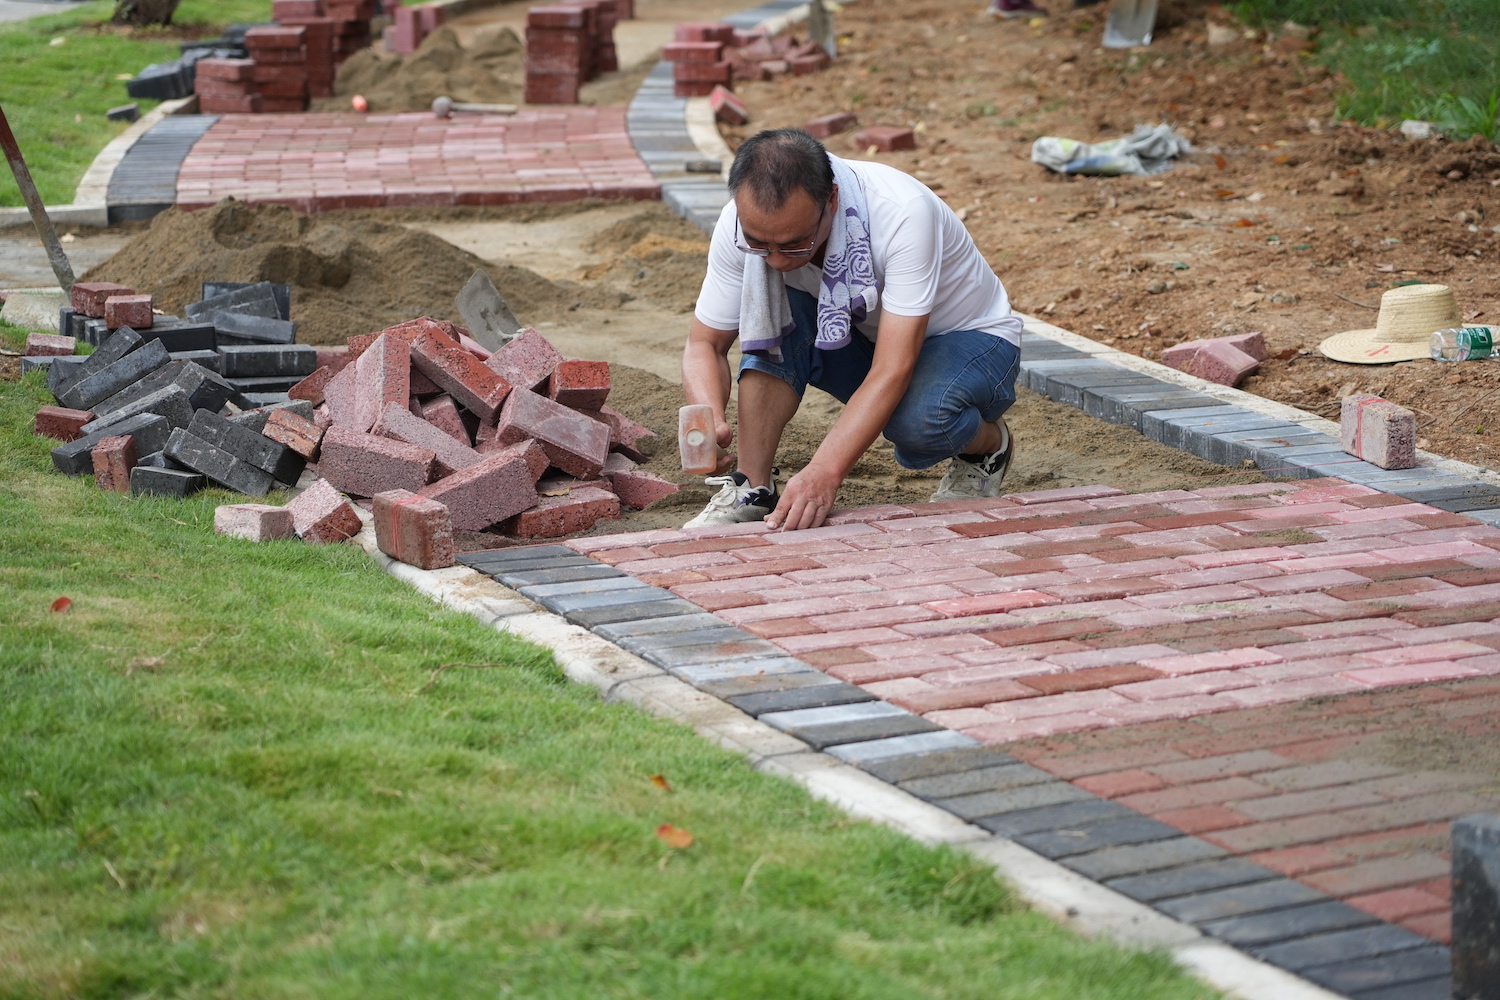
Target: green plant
{"type": "Point", "coordinates": [1464, 116]}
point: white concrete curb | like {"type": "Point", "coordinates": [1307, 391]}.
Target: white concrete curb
{"type": "Point", "coordinates": [1068, 897]}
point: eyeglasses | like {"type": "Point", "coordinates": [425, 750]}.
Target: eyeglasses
{"type": "Point", "coordinates": [806, 251]}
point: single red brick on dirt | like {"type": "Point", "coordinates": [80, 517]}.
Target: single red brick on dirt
{"type": "Point", "coordinates": [413, 529]}
{"type": "Point", "coordinates": [133, 311]}
{"type": "Point", "coordinates": [886, 138]}
{"type": "Point", "coordinates": [297, 433]}
{"type": "Point", "coordinates": [257, 522]}
{"type": "Point", "coordinates": [313, 387]}
{"type": "Point", "coordinates": [322, 515]}
{"type": "Point", "coordinates": [60, 422]}
{"type": "Point", "coordinates": [831, 125]}
{"type": "Point", "coordinates": [639, 489]}
{"type": "Point", "coordinates": [398, 424]}
{"type": "Point", "coordinates": [48, 345]}
{"type": "Point", "coordinates": [461, 375]}
{"type": "Point", "coordinates": [581, 385]}
{"type": "Point", "coordinates": [114, 457]}
{"type": "Point", "coordinates": [728, 108]}
{"type": "Point", "coordinates": [490, 491]}
{"type": "Point", "coordinates": [1220, 362]}
{"type": "Point", "coordinates": [527, 361]}
{"type": "Point", "coordinates": [554, 517]}
{"type": "Point", "coordinates": [382, 375]}
{"type": "Point", "coordinates": [88, 297]}
{"type": "Point", "coordinates": [1253, 344]}
{"type": "Point", "coordinates": [442, 413]}
{"type": "Point", "coordinates": [1378, 431]}
{"type": "Point", "coordinates": [365, 464]}
{"type": "Point", "coordinates": [575, 443]}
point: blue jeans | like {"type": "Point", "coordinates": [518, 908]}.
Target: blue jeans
{"type": "Point", "coordinates": [961, 379]}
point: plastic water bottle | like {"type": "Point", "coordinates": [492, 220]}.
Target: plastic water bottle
{"type": "Point", "coordinates": [1464, 343]}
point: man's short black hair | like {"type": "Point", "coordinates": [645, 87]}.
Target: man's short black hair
{"type": "Point", "coordinates": [778, 161]}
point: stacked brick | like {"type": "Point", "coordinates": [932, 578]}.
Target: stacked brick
{"type": "Point", "coordinates": [698, 65]}
{"type": "Point", "coordinates": [291, 61]}
{"type": "Point", "coordinates": [568, 45]}
{"type": "Point", "coordinates": [1225, 360]}
{"type": "Point", "coordinates": [521, 438]}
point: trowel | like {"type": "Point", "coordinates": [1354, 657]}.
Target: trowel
{"type": "Point", "coordinates": [1131, 24]}
{"type": "Point", "coordinates": [488, 318]}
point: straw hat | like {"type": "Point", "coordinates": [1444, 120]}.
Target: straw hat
{"type": "Point", "coordinates": [1408, 316]}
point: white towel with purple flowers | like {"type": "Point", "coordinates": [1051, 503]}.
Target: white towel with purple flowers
{"type": "Point", "coordinates": [848, 293]}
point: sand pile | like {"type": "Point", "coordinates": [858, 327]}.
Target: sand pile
{"type": "Point", "coordinates": [487, 72]}
{"type": "Point", "coordinates": [655, 256]}
{"type": "Point", "coordinates": [351, 274]}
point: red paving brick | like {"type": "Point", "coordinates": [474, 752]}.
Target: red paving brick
{"type": "Point", "coordinates": [1160, 650]}
{"type": "Point", "coordinates": [322, 162]}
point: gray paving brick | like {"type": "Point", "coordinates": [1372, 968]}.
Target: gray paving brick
{"type": "Point", "coordinates": [1338, 946]}
{"type": "Point", "coordinates": [928, 765]}
{"type": "Point", "coordinates": [1110, 833]}
{"type": "Point", "coordinates": [564, 603]}
{"type": "Point", "coordinates": [863, 731]}
{"type": "Point", "coordinates": [1127, 408]}
{"type": "Point", "coordinates": [1138, 859]}
{"type": "Point", "coordinates": [1069, 814]}
{"type": "Point", "coordinates": [985, 779]}
{"type": "Point", "coordinates": [1438, 988]}
{"type": "Point", "coordinates": [869, 752]}
{"type": "Point", "coordinates": [1218, 904]}
{"type": "Point", "coordinates": [1285, 925]}
{"type": "Point", "coordinates": [1202, 876]}
{"type": "Point", "coordinates": [761, 683]}
{"type": "Point", "coordinates": [835, 715]}
{"type": "Point", "coordinates": [727, 651]}
{"type": "Point", "coordinates": [517, 554]}
{"type": "Point", "coordinates": [559, 574]}
{"type": "Point", "coordinates": [816, 696]}
{"type": "Point", "coordinates": [1358, 975]}
{"type": "Point", "coordinates": [719, 631]}
{"type": "Point", "coordinates": [660, 626]}
{"type": "Point", "coordinates": [590, 617]}
{"type": "Point", "coordinates": [543, 592]}
{"type": "Point", "coordinates": [702, 676]}
{"type": "Point", "coordinates": [1013, 799]}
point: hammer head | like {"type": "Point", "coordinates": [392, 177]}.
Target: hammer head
{"type": "Point", "coordinates": [442, 107]}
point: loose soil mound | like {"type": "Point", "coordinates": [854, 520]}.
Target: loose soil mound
{"type": "Point", "coordinates": [350, 273]}
{"type": "Point", "coordinates": [654, 255]}
{"type": "Point", "coordinates": [1283, 218]}
{"type": "Point", "coordinates": [487, 72]}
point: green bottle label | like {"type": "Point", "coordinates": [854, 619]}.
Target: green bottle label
{"type": "Point", "coordinates": [1476, 341]}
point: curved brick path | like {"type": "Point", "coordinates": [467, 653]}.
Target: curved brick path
{"type": "Point", "coordinates": [1207, 658]}
{"type": "Point", "coordinates": [320, 162]}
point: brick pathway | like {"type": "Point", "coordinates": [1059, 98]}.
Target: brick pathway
{"type": "Point", "coordinates": [321, 162]}
{"type": "Point", "coordinates": [1211, 659]}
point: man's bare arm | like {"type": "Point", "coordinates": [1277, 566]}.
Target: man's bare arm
{"type": "Point", "coordinates": [706, 379]}
{"type": "Point", "coordinates": [811, 493]}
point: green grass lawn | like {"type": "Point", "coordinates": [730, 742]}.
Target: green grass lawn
{"type": "Point", "coordinates": [1436, 60]}
{"type": "Point", "coordinates": [233, 770]}
{"type": "Point", "coordinates": [55, 95]}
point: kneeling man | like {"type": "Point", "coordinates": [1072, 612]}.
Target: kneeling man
{"type": "Point", "coordinates": [853, 277]}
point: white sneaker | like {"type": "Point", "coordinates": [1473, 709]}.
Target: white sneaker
{"type": "Point", "coordinates": [737, 501]}
{"type": "Point", "coordinates": [967, 480]}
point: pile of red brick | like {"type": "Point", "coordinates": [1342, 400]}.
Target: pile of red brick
{"type": "Point", "coordinates": [521, 438]}
{"type": "Point", "coordinates": [290, 61]}
{"type": "Point", "coordinates": [1225, 360]}
{"type": "Point", "coordinates": [568, 45]}
{"type": "Point", "coordinates": [706, 54]}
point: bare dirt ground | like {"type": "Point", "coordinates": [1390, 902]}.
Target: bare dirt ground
{"type": "Point", "coordinates": [1286, 221]}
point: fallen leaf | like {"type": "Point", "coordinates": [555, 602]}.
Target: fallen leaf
{"type": "Point", "coordinates": [1286, 355]}
{"type": "Point", "coordinates": [660, 781]}
{"type": "Point", "coordinates": [62, 604]}
{"type": "Point", "coordinates": [674, 836]}
{"type": "Point", "coordinates": [1243, 223]}
{"type": "Point", "coordinates": [1223, 193]}
{"type": "Point", "coordinates": [1220, 162]}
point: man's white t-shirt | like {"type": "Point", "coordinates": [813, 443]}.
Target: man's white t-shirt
{"type": "Point", "coordinates": [926, 264]}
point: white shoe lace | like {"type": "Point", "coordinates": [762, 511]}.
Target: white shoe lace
{"type": "Point", "coordinates": [727, 497]}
